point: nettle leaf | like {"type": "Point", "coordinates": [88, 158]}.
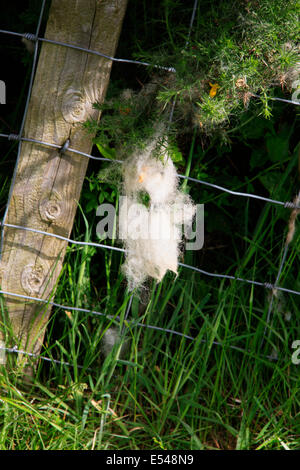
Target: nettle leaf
{"type": "Point", "coordinates": [256, 127]}
{"type": "Point", "coordinates": [271, 180]}
{"type": "Point", "coordinates": [92, 204]}
{"type": "Point", "coordinates": [278, 145]}
{"type": "Point", "coordinates": [258, 158]}
{"type": "Point", "coordinates": [175, 154]}
{"type": "Point", "coordinates": [106, 151]}
{"type": "Point", "coordinates": [102, 197]}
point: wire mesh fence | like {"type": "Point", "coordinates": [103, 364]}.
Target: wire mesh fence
{"type": "Point", "coordinates": [294, 206]}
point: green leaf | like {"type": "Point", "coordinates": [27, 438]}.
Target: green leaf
{"type": "Point", "coordinates": [271, 180]}
{"type": "Point", "coordinates": [278, 145]}
{"type": "Point", "coordinates": [258, 158]}
{"type": "Point", "coordinates": [92, 202]}
{"type": "Point", "coordinates": [107, 152]}
{"type": "Point", "coordinates": [175, 154]}
{"type": "Point", "coordinates": [256, 127]}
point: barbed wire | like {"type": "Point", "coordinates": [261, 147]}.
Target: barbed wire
{"type": "Point", "coordinates": [287, 204]}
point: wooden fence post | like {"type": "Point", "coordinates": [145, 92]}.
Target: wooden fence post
{"type": "Point", "coordinates": [48, 184]}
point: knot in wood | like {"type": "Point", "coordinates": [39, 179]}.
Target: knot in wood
{"type": "Point", "coordinates": [32, 278]}
{"type": "Point", "coordinates": [75, 107]}
{"type": "Point", "coordinates": [51, 207]}
{"type": "Point", "coordinates": [51, 210]}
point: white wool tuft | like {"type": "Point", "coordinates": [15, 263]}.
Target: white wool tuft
{"type": "Point", "coordinates": [152, 234]}
{"type": "Point", "coordinates": [110, 338]}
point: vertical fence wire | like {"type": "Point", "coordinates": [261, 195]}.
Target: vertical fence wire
{"type": "Point", "coordinates": [34, 63]}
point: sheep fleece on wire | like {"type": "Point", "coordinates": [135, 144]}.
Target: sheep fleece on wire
{"type": "Point", "coordinates": [152, 233]}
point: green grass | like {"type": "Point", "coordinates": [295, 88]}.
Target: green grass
{"type": "Point", "coordinates": [219, 391]}
{"type": "Point", "coordinates": [167, 391]}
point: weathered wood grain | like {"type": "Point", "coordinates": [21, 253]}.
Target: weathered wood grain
{"type": "Point", "coordinates": [48, 184]}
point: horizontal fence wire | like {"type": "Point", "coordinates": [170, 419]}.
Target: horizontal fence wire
{"type": "Point", "coordinates": [15, 350]}
{"type": "Point", "coordinates": [267, 285]}
{"type": "Point", "coordinates": [275, 98]}
{"type": "Point", "coordinates": [34, 38]}
{"type": "Point", "coordinates": [286, 204]}
{"type": "Point", "coordinates": [132, 323]}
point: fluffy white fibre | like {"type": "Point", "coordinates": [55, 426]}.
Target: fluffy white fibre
{"type": "Point", "coordinates": [110, 338]}
{"type": "Point", "coordinates": [152, 234]}
{"type": "Point", "coordinates": [155, 176]}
